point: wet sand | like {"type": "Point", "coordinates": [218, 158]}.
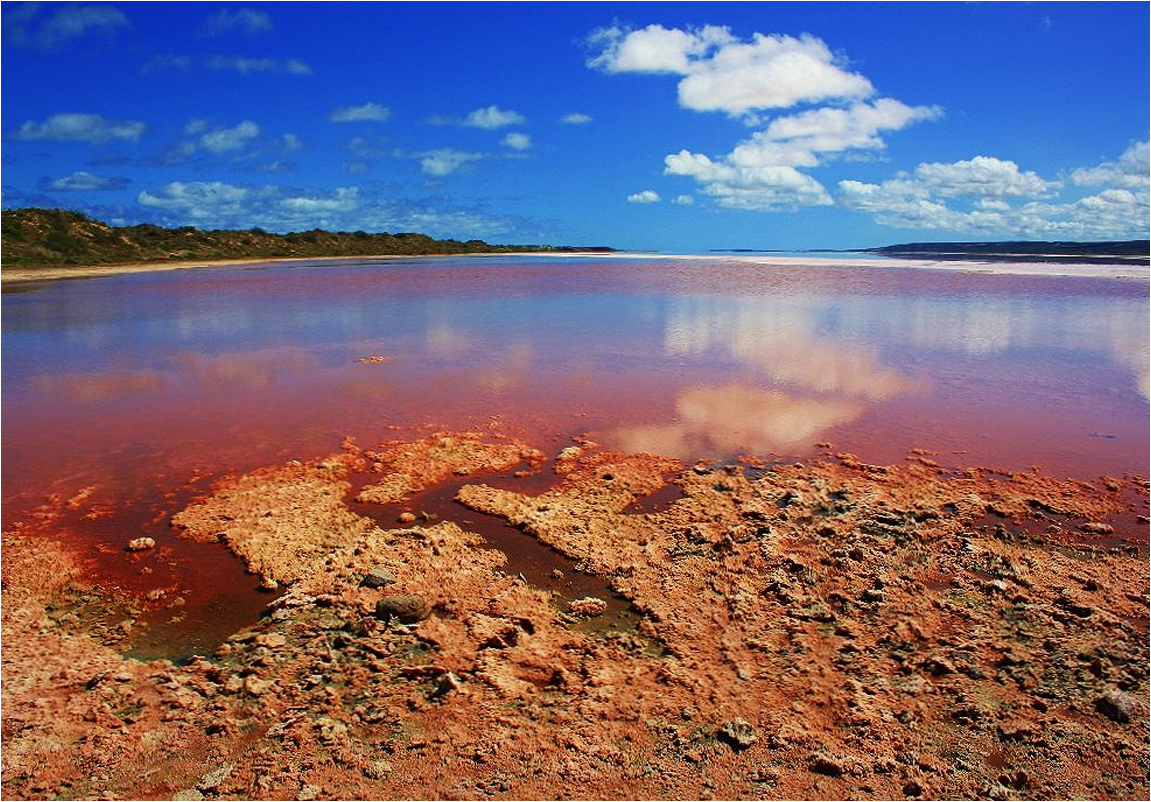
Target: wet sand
{"type": "Point", "coordinates": [830, 629]}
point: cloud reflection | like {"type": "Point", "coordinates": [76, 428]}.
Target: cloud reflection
{"type": "Point", "coordinates": [737, 418]}
{"type": "Point", "coordinates": [803, 384]}
{"type": "Point", "coordinates": [90, 388]}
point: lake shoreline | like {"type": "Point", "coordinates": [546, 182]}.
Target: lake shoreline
{"type": "Point", "coordinates": [24, 275]}
{"type": "Point", "coordinates": [806, 631]}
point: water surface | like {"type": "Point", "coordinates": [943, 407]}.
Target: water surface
{"type": "Point", "coordinates": [148, 386]}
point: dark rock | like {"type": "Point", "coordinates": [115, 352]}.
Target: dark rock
{"type": "Point", "coordinates": [1117, 706]}
{"type": "Point", "coordinates": [407, 607]}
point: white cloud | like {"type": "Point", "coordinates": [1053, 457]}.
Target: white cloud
{"type": "Point", "coordinates": [759, 187]}
{"type": "Point", "coordinates": [493, 117]}
{"type": "Point", "coordinates": [446, 161]}
{"type": "Point", "coordinates": [70, 127]}
{"type": "Point", "coordinates": [646, 196]}
{"type": "Point", "coordinates": [654, 48]}
{"type": "Point", "coordinates": [722, 73]}
{"type": "Point", "coordinates": [244, 20]}
{"type": "Point", "coordinates": [291, 143]}
{"type": "Point", "coordinates": [214, 204]}
{"type": "Point", "coordinates": [197, 200]}
{"type": "Point", "coordinates": [83, 181]}
{"type": "Point", "coordinates": [1131, 171]}
{"type": "Point", "coordinates": [342, 199]}
{"type": "Point", "coordinates": [23, 28]}
{"type": "Point", "coordinates": [683, 200]}
{"type": "Point", "coordinates": [222, 140]}
{"type": "Point", "coordinates": [517, 141]}
{"type": "Point", "coordinates": [368, 112]}
{"type": "Point", "coordinates": [977, 196]}
{"type": "Point", "coordinates": [982, 176]}
{"type": "Point", "coordinates": [743, 78]}
{"type": "Point", "coordinates": [575, 118]}
{"type": "Point", "coordinates": [248, 66]}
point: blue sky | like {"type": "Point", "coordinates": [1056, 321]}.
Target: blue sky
{"type": "Point", "coordinates": [676, 127]}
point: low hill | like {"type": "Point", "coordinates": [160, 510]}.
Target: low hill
{"type": "Point", "coordinates": [1127, 252]}
{"type": "Point", "coordinates": [31, 237]}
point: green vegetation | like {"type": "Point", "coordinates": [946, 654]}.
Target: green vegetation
{"type": "Point", "coordinates": [52, 237]}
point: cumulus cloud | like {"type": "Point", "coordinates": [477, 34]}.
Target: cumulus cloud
{"type": "Point", "coordinates": [368, 112]}
{"type": "Point", "coordinates": [762, 172]}
{"type": "Point", "coordinates": [1131, 171]}
{"type": "Point", "coordinates": [723, 73]}
{"type": "Point", "coordinates": [575, 118]}
{"type": "Point", "coordinates": [197, 200]}
{"type": "Point", "coordinates": [982, 176]}
{"type": "Point", "coordinates": [746, 77]}
{"type": "Point", "coordinates": [683, 200]}
{"type": "Point", "coordinates": [493, 117]}
{"type": "Point", "coordinates": [242, 20]}
{"type": "Point", "coordinates": [70, 127]}
{"type": "Point", "coordinates": [646, 196]}
{"type": "Point", "coordinates": [446, 161]}
{"type": "Point", "coordinates": [517, 141]}
{"type": "Point", "coordinates": [83, 181]}
{"type": "Point", "coordinates": [985, 195]}
{"type": "Point", "coordinates": [24, 28]}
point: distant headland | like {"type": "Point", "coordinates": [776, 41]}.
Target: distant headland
{"type": "Point", "coordinates": [55, 237]}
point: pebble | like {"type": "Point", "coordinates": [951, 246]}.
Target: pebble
{"type": "Point", "coordinates": [141, 544]}
{"type": "Point", "coordinates": [407, 607]}
{"type": "Point", "coordinates": [378, 578]}
{"type": "Point", "coordinates": [589, 607]}
{"type": "Point", "coordinates": [738, 733]}
{"type": "Point", "coordinates": [407, 518]}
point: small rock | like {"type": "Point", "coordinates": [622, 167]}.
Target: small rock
{"type": "Point", "coordinates": [407, 517]}
{"type": "Point", "coordinates": [557, 573]}
{"type": "Point", "coordinates": [141, 544]}
{"type": "Point", "coordinates": [378, 769]}
{"type": "Point", "coordinates": [212, 780]}
{"type": "Point", "coordinates": [256, 686]}
{"type": "Point", "coordinates": [268, 584]}
{"type": "Point", "coordinates": [271, 640]}
{"type": "Point", "coordinates": [447, 683]}
{"type": "Point", "coordinates": [1097, 528]}
{"type": "Point", "coordinates": [588, 607]}
{"type": "Point", "coordinates": [823, 763]}
{"type": "Point", "coordinates": [738, 733]}
{"type": "Point", "coordinates": [407, 607]}
{"type": "Point", "coordinates": [1117, 706]}
{"type": "Point", "coordinates": [378, 578]}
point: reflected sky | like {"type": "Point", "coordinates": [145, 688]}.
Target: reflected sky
{"type": "Point", "coordinates": [225, 369]}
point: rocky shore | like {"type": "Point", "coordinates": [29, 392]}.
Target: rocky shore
{"type": "Point", "coordinates": [832, 629]}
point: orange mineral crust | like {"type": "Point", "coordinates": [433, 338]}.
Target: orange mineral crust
{"type": "Point", "coordinates": [825, 629]}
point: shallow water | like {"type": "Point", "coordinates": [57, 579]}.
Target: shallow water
{"type": "Point", "coordinates": [148, 386]}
